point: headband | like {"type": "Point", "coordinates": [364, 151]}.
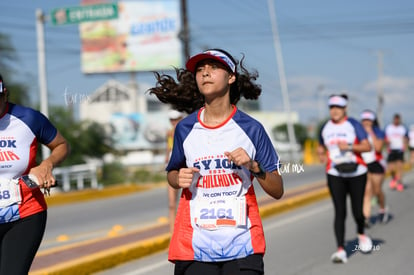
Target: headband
{"type": "Point", "coordinates": [337, 100]}
{"type": "Point", "coordinates": [367, 115]}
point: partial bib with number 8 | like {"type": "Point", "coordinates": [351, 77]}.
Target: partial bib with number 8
{"type": "Point", "coordinates": [9, 192]}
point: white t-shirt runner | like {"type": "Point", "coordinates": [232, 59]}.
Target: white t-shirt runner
{"type": "Point", "coordinates": [395, 136]}
{"type": "Point", "coordinates": [218, 217]}
{"type": "Point", "coordinates": [22, 129]}
{"type": "Point", "coordinates": [352, 132]}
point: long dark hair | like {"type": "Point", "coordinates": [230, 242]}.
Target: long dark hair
{"type": "Point", "coordinates": [183, 94]}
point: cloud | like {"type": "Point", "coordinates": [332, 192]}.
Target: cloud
{"type": "Point", "coordinates": [308, 85]}
{"type": "Point", "coordinates": [395, 89]}
{"type": "Point", "coordinates": [308, 95]}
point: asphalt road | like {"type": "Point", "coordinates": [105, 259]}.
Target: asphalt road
{"type": "Point", "coordinates": [301, 242]}
{"type": "Point", "coordinates": [94, 219]}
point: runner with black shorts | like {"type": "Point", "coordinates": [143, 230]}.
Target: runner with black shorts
{"type": "Point", "coordinates": [376, 167]}
{"type": "Point", "coordinates": [23, 208]}
{"type": "Point", "coordinates": [342, 140]}
{"type": "Point", "coordinates": [218, 151]}
{"type": "Point", "coordinates": [396, 138]}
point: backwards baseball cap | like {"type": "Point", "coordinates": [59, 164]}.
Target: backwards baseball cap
{"type": "Point", "coordinates": [368, 115]}
{"type": "Point", "coordinates": [217, 55]}
{"type": "Point", "coordinates": [337, 100]}
{"type": "Point", "coordinates": [2, 87]}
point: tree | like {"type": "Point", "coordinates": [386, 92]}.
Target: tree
{"type": "Point", "coordinates": [86, 139]}
{"type": "Point", "coordinates": [319, 126]}
{"type": "Point", "coordinates": [18, 92]}
{"type": "Point", "coordinates": [8, 53]}
{"type": "Point", "coordinates": [300, 130]}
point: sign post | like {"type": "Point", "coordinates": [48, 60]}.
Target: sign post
{"type": "Point", "coordinates": [87, 13]}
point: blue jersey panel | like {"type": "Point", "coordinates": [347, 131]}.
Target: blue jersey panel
{"type": "Point", "coordinates": [265, 152]}
{"type": "Point", "coordinates": [359, 129]}
{"type": "Point", "coordinates": [41, 127]}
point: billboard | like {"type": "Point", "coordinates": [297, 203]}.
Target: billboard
{"type": "Point", "coordinates": [144, 37]}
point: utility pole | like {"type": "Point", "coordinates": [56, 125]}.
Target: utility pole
{"type": "Point", "coordinates": [185, 32]}
{"type": "Point", "coordinates": [41, 59]}
{"type": "Point", "coordinates": [321, 103]}
{"type": "Point", "coordinates": [380, 92]}
{"type": "Point", "coordinates": [282, 76]}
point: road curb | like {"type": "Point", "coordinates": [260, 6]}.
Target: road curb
{"type": "Point", "coordinates": [108, 258]}
{"type": "Point", "coordinates": [94, 194]}
{"type": "Point", "coordinates": [135, 250]}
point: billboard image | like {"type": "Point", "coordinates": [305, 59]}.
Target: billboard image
{"type": "Point", "coordinates": [144, 37]}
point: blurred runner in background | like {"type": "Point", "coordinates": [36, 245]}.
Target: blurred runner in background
{"type": "Point", "coordinates": [396, 138]}
{"type": "Point", "coordinates": [174, 117]}
{"type": "Point", "coordinates": [376, 168]}
{"type": "Point", "coordinates": [342, 140]}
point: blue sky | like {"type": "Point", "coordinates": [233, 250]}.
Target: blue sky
{"type": "Point", "coordinates": [328, 47]}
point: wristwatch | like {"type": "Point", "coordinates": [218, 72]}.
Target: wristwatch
{"type": "Point", "coordinates": [261, 174]}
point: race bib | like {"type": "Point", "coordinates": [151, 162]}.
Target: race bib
{"type": "Point", "coordinates": [9, 192]}
{"type": "Point", "coordinates": [213, 214]}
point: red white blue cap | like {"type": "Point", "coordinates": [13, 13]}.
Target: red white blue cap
{"type": "Point", "coordinates": [338, 101]}
{"type": "Point", "coordinates": [211, 54]}
{"type": "Point", "coordinates": [369, 115]}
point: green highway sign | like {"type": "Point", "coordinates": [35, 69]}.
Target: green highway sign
{"type": "Point", "coordinates": [87, 13]}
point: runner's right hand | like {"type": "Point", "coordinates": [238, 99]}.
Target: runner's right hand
{"type": "Point", "coordinates": [185, 176]}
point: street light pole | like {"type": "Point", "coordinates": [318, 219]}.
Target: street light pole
{"type": "Point", "coordinates": [380, 93]}
{"type": "Point", "coordinates": [41, 59]}
{"type": "Point", "coordinates": [185, 33]}
{"type": "Point", "coordinates": [282, 76]}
